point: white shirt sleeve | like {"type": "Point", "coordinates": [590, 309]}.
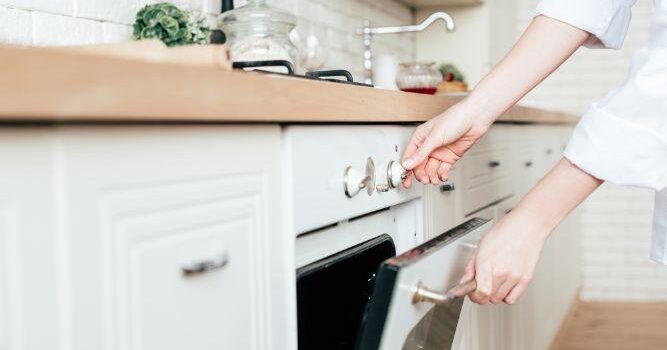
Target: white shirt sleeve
{"type": "Point", "coordinates": [606, 20]}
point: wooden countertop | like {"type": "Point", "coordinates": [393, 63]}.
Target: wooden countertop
{"type": "Point", "coordinates": [53, 85]}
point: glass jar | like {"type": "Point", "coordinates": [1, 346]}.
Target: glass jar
{"type": "Point", "coordinates": [259, 32]}
{"type": "Point", "coordinates": [310, 39]}
{"type": "Point", "coordinates": [419, 77]}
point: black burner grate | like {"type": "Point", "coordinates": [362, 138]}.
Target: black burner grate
{"type": "Point", "coordinates": [325, 75]}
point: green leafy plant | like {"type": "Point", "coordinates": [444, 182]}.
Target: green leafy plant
{"type": "Point", "coordinates": [170, 24]}
{"type": "Point", "coordinates": [451, 73]}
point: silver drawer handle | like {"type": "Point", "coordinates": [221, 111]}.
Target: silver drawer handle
{"type": "Point", "coordinates": [425, 295]}
{"type": "Point", "coordinates": [205, 266]}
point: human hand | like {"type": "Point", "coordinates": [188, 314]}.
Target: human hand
{"type": "Point", "coordinates": [439, 143]}
{"type": "Point", "coordinates": [504, 263]}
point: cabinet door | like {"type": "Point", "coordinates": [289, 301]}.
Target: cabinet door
{"type": "Point", "coordinates": [144, 203]}
{"type": "Point", "coordinates": [31, 265]}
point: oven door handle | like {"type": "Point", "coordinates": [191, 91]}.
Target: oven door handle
{"type": "Point", "coordinates": [425, 295]}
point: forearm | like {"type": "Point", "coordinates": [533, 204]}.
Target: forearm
{"type": "Point", "coordinates": [555, 196]}
{"type": "Point", "coordinates": [542, 48]}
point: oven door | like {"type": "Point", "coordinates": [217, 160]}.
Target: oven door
{"type": "Point", "coordinates": [396, 316]}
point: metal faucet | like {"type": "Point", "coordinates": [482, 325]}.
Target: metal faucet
{"type": "Point", "coordinates": [367, 33]}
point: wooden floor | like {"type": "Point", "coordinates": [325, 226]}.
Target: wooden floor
{"type": "Point", "coordinates": [614, 326]}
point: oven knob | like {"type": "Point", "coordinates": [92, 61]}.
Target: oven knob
{"type": "Point", "coordinates": [395, 174]}
{"type": "Point", "coordinates": [354, 181]}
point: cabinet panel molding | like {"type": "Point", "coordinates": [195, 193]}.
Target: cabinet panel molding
{"type": "Point", "coordinates": [137, 219]}
{"type": "Point", "coordinates": [10, 289]}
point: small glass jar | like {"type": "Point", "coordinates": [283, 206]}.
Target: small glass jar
{"type": "Point", "coordinates": [259, 32]}
{"type": "Point", "coordinates": [419, 77]}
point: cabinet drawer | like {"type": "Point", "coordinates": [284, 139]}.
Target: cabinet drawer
{"type": "Point", "coordinates": [190, 289]}
{"type": "Point", "coordinates": [487, 171]}
{"type": "Point", "coordinates": [442, 206]}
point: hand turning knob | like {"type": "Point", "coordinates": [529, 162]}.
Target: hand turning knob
{"type": "Point", "coordinates": [395, 174]}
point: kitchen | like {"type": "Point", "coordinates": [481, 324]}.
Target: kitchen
{"type": "Point", "coordinates": [149, 204]}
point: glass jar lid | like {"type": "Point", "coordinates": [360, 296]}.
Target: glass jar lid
{"type": "Point", "coordinates": [256, 12]}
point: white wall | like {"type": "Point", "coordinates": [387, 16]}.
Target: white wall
{"type": "Point", "coordinates": [467, 47]}
{"type": "Point", "coordinates": [483, 35]}
{"type": "Point", "coordinates": [616, 220]}
{"type": "Point", "coordinates": [615, 247]}
{"type": "Point", "coordinates": [68, 22]}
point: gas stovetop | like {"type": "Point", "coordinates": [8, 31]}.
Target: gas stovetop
{"type": "Point", "coordinates": [333, 76]}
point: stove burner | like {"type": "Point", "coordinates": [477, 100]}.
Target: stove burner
{"type": "Point", "coordinates": [325, 75]}
{"type": "Point", "coordinates": [265, 64]}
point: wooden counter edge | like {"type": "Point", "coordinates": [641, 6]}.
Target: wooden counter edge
{"type": "Point", "coordinates": [59, 86]}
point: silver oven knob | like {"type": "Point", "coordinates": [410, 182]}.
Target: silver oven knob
{"type": "Point", "coordinates": [354, 180]}
{"type": "Point", "coordinates": [395, 174]}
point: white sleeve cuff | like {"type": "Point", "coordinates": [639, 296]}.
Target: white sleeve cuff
{"type": "Point", "coordinates": [606, 20]}
{"type": "Point", "coordinates": [619, 151]}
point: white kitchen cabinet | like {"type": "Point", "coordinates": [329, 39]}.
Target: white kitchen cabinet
{"type": "Point", "coordinates": [487, 176]}
{"type": "Point", "coordinates": [107, 218]}
{"type": "Point", "coordinates": [97, 224]}
{"type": "Point", "coordinates": [442, 208]}
{"type": "Point", "coordinates": [31, 264]}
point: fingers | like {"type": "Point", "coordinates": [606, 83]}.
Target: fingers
{"type": "Point", "coordinates": [482, 294]}
{"type": "Point", "coordinates": [504, 289]}
{"type": "Point", "coordinates": [416, 141]}
{"type": "Point", "coordinates": [496, 289]}
{"type": "Point", "coordinates": [407, 182]}
{"type": "Point", "coordinates": [469, 272]}
{"type": "Point", "coordinates": [420, 173]}
{"type": "Point", "coordinates": [518, 290]}
{"type": "Point", "coordinates": [431, 169]}
{"type": "Point", "coordinates": [430, 143]}
{"type": "Point", "coordinates": [446, 154]}
{"type": "Point", "coordinates": [443, 171]}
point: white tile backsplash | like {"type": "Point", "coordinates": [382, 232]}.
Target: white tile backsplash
{"type": "Point", "coordinates": [69, 22]}
{"type": "Point", "coordinates": [57, 30]}
{"type": "Point", "coordinates": [116, 11]}
{"type": "Point", "coordinates": [114, 32]}
{"type": "Point", "coordinates": [616, 240]}
{"type": "Point", "coordinates": [63, 7]}
{"type": "Point", "coordinates": [16, 26]}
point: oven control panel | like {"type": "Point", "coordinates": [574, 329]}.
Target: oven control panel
{"type": "Point", "coordinates": [356, 181]}
{"type": "Point", "coordinates": [341, 172]}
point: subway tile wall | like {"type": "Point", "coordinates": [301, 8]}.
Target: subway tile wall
{"type": "Point", "coordinates": [616, 220]}
{"type": "Point", "coordinates": [616, 240]}
{"type": "Point", "coordinates": [70, 22]}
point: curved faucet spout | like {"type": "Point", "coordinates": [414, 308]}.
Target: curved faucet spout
{"type": "Point", "coordinates": [449, 22]}
{"type": "Point", "coordinates": [367, 33]}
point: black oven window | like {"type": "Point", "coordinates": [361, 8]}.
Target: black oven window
{"type": "Point", "coordinates": [332, 294]}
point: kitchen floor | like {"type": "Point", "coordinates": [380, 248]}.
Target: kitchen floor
{"type": "Point", "coordinates": [614, 326]}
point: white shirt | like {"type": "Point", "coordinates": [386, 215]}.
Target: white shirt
{"type": "Point", "coordinates": [623, 138]}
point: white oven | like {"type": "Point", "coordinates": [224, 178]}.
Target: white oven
{"type": "Point", "coordinates": [366, 279]}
